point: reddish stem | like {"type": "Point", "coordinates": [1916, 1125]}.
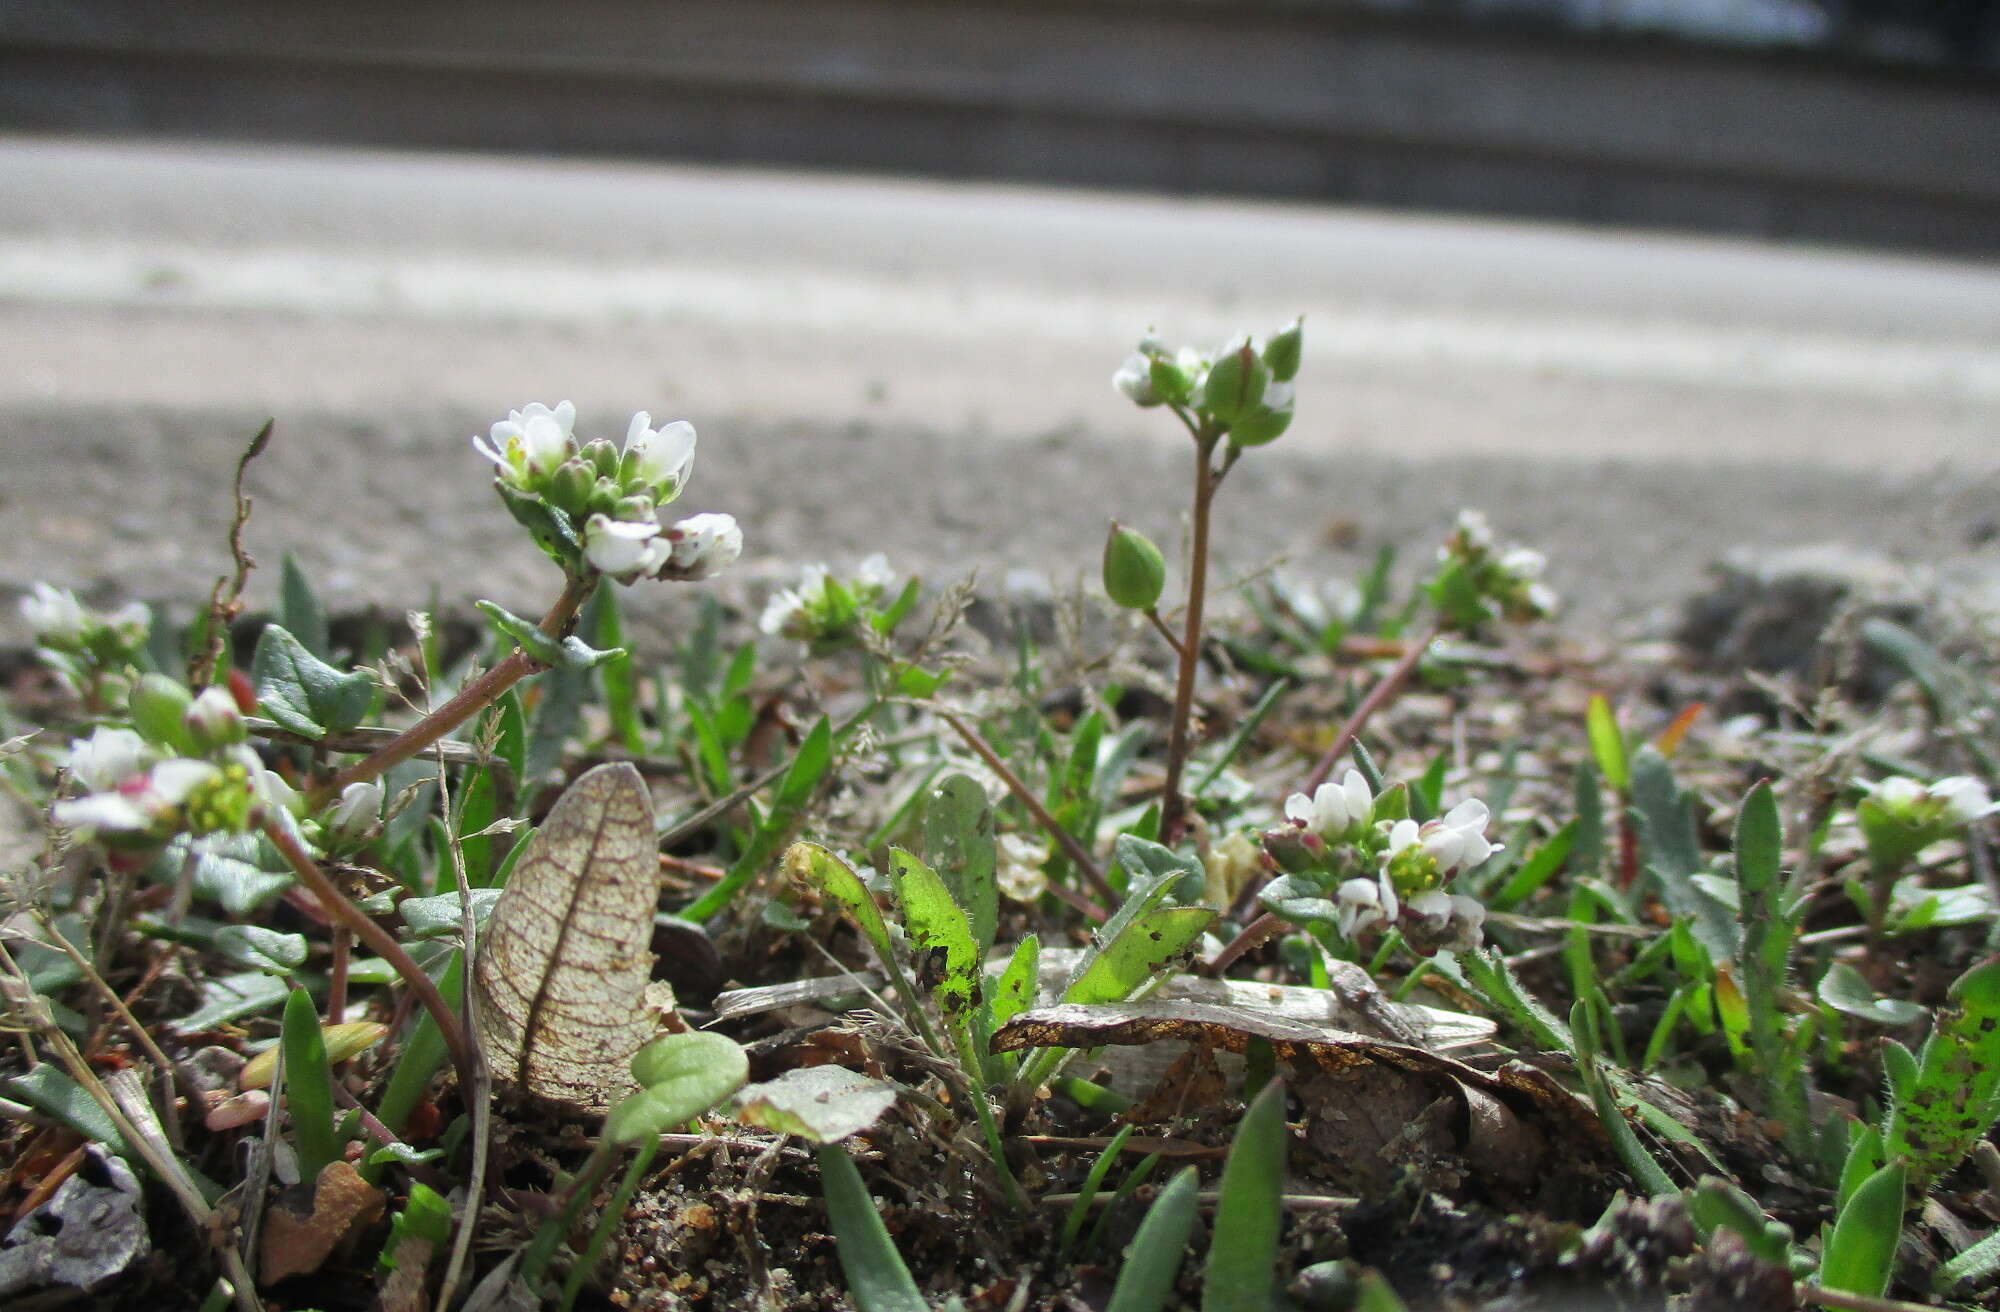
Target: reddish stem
{"type": "Point", "coordinates": [1391, 683]}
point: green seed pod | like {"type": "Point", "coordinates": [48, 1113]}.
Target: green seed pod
{"type": "Point", "coordinates": [1281, 353]}
{"type": "Point", "coordinates": [158, 705]}
{"type": "Point", "coordinates": [1134, 571]}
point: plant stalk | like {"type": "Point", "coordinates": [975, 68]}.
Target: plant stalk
{"type": "Point", "coordinates": [338, 906]}
{"type": "Point", "coordinates": [1173, 806]}
{"type": "Point", "coordinates": [475, 697]}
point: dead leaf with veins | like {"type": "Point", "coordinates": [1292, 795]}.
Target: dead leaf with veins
{"type": "Point", "coordinates": [559, 991]}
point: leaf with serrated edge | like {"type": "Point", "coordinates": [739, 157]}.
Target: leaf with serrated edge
{"type": "Point", "coordinates": [559, 986]}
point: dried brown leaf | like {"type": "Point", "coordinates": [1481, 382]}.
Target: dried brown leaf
{"type": "Point", "coordinates": [559, 988]}
{"type": "Point", "coordinates": [295, 1245]}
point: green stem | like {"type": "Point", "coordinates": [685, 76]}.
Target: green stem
{"type": "Point", "coordinates": [968, 1057]}
{"type": "Point", "coordinates": [1173, 806]}
{"type": "Point", "coordinates": [587, 1259]}
{"type": "Point", "coordinates": [581, 1186]}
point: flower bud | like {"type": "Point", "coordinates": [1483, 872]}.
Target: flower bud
{"type": "Point", "coordinates": [569, 488]}
{"type": "Point", "coordinates": [1171, 383]}
{"type": "Point", "coordinates": [1281, 353]}
{"type": "Point", "coordinates": [54, 615]}
{"type": "Point", "coordinates": [213, 721]}
{"type": "Point", "coordinates": [1135, 380]}
{"type": "Point", "coordinates": [158, 707]}
{"type": "Point", "coordinates": [357, 815]}
{"type": "Point", "coordinates": [703, 546]}
{"type": "Point", "coordinates": [602, 457]}
{"type": "Point", "coordinates": [1235, 383]}
{"type": "Point", "coordinates": [1134, 571]}
{"type": "Point", "coordinates": [634, 509]}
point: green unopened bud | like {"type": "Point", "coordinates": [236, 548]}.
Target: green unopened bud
{"type": "Point", "coordinates": [158, 705]}
{"type": "Point", "coordinates": [569, 487]}
{"type": "Point", "coordinates": [603, 457]}
{"type": "Point", "coordinates": [605, 494]}
{"type": "Point", "coordinates": [1171, 383]}
{"type": "Point", "coordinates": [633, 509]}
{"type": "Point", "coordinates": [1281, 353]}
{"type": "Point", "coordinates": [213, 721]}
{"type": "Point", "coordinates": [1235, 384]}
{"type": "Point", "coordinates": [1134, 571]}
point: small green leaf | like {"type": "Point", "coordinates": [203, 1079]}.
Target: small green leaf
{"type": "Point", "coordinates": [1864, 1158]}
{"type": "Point", "coordinates": [822, 1103]}
{"type": "Point", "coordinates": [300, 611]}
{"type": "Point", "coordinates": [427, 1216]}
{"type": "Point", "coordinates": [525, 634]}
{"type": "Point", "coordinates": [959, 844]}
{"type": "Point", "coordinates": [1153, 1262]}
{"type": "Point", "coordinates": [1015, 991]}
{"type": "Point", "coordinates": [795, 792]}
{"type": "Point", "coordinates": [1672, 849]}
{"type": "Point", "coordinates": [303, 693]}
{"type": "Point", "coordinates": [1137, 952]}
{"type": "Point", "coordinates": [876, 1276]}
{"type": "Point", "coordinates": [437, 916]}
{"type": "Point", "coordinates": [1861, 1254]}
{"type": "Point", "coordinates": [681, 1076]}
{"type": "Point", "coordinates": [1533, 873]}
{"type": "Point", "coordinates": [1843, 989]}
{"type": "Point", "coordinates": [1079, 1210]}
{"type": "Point", "coordinates": [261, 949]}
{"type": "Point", "coordinates": [48, 1090]}
{"type": "Point", "coordinates": [575, 654]}
{"type": "Point", "coordinates": [1243, 1255]}
{"type": "Point", "coordinates": [938, 930]}
{"type": "Point", "coordinates": [232, 997]}
{"type": "Point", "coordinates": [551, 528]}
{"type": "Point", "coordinates": [308, 1086]}
{"type": "Point", "coordinates": [818, 868]}
{"type": "Point", "coordinates": [1607, 743]}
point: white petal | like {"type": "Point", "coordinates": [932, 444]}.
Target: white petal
{"type": "Point", "coordinates": [1470, 814]}
{"type": "Point", "coordinates": [1433, 905]}
{"type": "Point", "coordinates": [1360, 801]}
{"type": "Point", "coordinates": [169, 782]}
{"type": "Point", "coordinates": [1299, 809]}
{"type": "Point", "coordinates": [101, 813]}
{"type": "Point", "coordinates": [1402, 835]}
{"type": "Point", "coordinates": [616, 545]}
{"type": "Point", "coordinates": [108, 758]}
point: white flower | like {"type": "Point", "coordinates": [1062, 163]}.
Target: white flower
{"type": "Point", "coordinates": [1458, 841]}
{"type": "Point", "coordinates": [130, 622]}
{"type": "Point", "coordinates": [530, 442]}
{"type": "Point", "coordinates": [54, 614]}
{"type": "Point", "coordinates": [1964, 798]}
{"type": "Point", "coordinates": [1364, 902]}
{"type": "Point", "coordinates": [169, 783]}
{"type": "Point", "coordinates": [274, 792]}
{"type": "Point", "coordinates": [619, 546]}
{"type": "Point", "coordinates": [1135, 380]}
{"type": "Point", "coordinates": [1333, 809]}
{"type": "Point", "coordinates": [108, 758]}
{"type": "Point", "coordinates": [101, 813]}
{"type": "Point", "coordinates": [1469, 915]}
{"type": "Point", "coordinates": [780, 610]}
{"type": "Point", "coordinates": [357, 811]}
{"type": "Point", "coordinates": [1523, 563]}
{"type": "Point", "coordinates": [1474, 533]}
{"type": "Point", "coordinates": [704, 545]}
{"type": "Point", "coordinates": [872, 577]}
{"type": "Point", "coordinates": [1434, 907]}
{"type": "Point", "coordinates": [662, 456]}
{"type": "Point", "coordinates": [213, 718]}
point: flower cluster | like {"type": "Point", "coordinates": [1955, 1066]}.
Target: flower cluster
{"type": "Point", "coordinates": [1245, 389]}
{"type": "Point", "coordinates": [1900, 816]}
{"type": "Point", "coordinates": [92, 651]}
{"type": "Point", "coordinates": [824, 612]}
{"type": "Point", "coordinates": [1478, 579]}
{"type": "Point", "coordinates": [597, 505]}
{"type": "Point", "coordinates": [191, 772]}
{"type": "Point", "coordinates": [1359, 861]}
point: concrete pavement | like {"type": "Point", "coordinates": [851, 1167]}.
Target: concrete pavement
{"type": "Point", "coordinates": [924, 366]}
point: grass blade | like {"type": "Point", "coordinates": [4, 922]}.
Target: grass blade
{"type": "Point", "coordinates": [308, 1086]}
{"type": "Point", "coordinates": [875, 1272]}
{"type": "Point", "coordinates": [1243, 1256]}
{"type": "Point", "coordinates": [1146, 1282]}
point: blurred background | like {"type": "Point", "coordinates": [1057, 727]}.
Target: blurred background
{"type": "Point", "coordinates": [1650, 279]}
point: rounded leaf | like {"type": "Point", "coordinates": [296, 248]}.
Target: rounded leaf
{"type": "Point", "coordinates": [682, 1076]}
